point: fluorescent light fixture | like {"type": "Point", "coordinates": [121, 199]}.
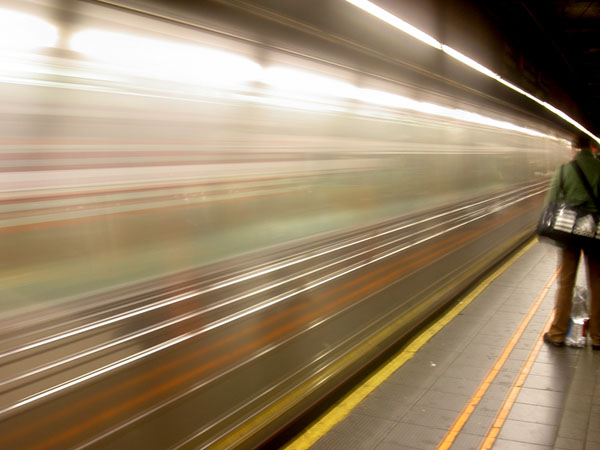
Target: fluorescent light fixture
{"type": "Point", "coordinates": [314, 90]}
{"type": "Point", "coordinates": [559, 113]}
{"type": "Point", "coordinates": [519, 90]}
{"type": "Point", "coordinates": [165, 60]}
{"type": "Point", "coordinates": [398, 23]}
{"type": "Point", "coordinates": [469, 62]}
{"type": "Point", "coordinates": [21, 31]}
{"type": "Point", "coordinates": [397, 101]}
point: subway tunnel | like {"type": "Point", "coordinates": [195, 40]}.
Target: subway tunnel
{"type": "Point", "coordinates": [222, 221]}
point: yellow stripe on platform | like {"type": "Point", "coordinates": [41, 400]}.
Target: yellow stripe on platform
{"type": "Point", "coordinates": [340, 410]}
{"type": "Point", "coordinates": [511, 398]}
{"type": "Point", "coordinates": [495, 370]}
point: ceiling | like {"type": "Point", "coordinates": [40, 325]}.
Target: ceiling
{"type": "Point", "coordinates": [559, 40]}
{"type": "Point", "coordinates": [551, 47]}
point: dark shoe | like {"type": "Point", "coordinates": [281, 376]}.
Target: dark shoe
{"type": "Point", "coordinates": [553, 343]}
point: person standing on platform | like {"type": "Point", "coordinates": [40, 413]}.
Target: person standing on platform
{"type": "Point", "coordinates": [575, 195]}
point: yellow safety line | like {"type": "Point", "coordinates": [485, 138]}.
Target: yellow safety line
{"type": "Point", "coordinates": [487, 382]}
{"type": "Point", "coordinates": [340, 410]}
{"type": "Point", "coordinates": [493, 432]}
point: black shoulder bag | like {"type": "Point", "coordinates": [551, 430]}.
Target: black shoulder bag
{"type": "Point", "coordinates": [569, 226]}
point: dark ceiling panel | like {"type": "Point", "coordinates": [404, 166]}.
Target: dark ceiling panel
{"type": "Point", "coordinates": [561, 39]}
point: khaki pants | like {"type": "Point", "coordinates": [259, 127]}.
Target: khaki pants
{"type": "Point", "coordinates": [569, 261]}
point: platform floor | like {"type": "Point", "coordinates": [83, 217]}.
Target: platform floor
{"type": "Point", "coordinates": [479, 378]}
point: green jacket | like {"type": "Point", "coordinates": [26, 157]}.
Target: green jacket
{"type": "Point", "coordinates": [574, 193]}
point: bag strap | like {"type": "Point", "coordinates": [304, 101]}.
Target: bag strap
{"type": "Point", "coordinates": [561, 190]}
{"type": "Point", "coordinates": [586, 184]}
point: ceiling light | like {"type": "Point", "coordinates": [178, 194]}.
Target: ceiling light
{"type": "Point", "coordinates": [398, 23]}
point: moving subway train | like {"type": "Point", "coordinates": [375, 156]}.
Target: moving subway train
{"type": "Point", "coordinates": [211, 221]}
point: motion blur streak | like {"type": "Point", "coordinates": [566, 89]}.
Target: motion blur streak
{"type": "Point", "coordinates": [177, 62]}
{"type": "Point", "coordinates": [19, 31]}
{"type": "Point", "coordinates": [209, 225]}
{"type": "Point", "coordinates": [194, 64]}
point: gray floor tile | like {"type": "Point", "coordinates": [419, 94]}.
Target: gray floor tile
{"type": "Point", "coordinates": [531, 287]}
{"type": "Point", "coordinates": [507, 280]}
{"type": "Point", "coordinates": [520, 354]}
{"type": "Point", "coordinates": [515, 307]}
{"type": "Point", "coordinates": [578, 403]}
{"type": "Point", "coordinates": [503, 444]}
{"type": "Point", "coordinates": [506, 378]}
{"type": "Point", "coordinates": [415, 437]}
{"type": "Point", "coordinates": [545, 369]}
{"type": "Point", "coordinates": [489, 406]}
{"type": "Point", "coordinates": [559, 356]}
{"type": "Point", "coordinates": [451, 332]}
{"type": "Point", "coordinates": [466, 372]}
{"type": "Point", "coordinates": [513, 365]}
{"type": "Point", "coordinates": [480, 311]}
{"type": "Point", "coordinates": [443, 400]}
{"type": "Point", "coordinates": [389, 446]}
{"type": "Point", "coordinates": [435, 359]}
{"type": "Point", "coordinates": [494, 292]}
{"type": "Point", "coordinates": [430, 417]}
{"type": "Point", "coordinates": [486, 350]}
{"type": "Point", "coordinates": [575, 420]}
{"type": "Point", "coordinates": [452, 344]}
{"type": "Point", "coordinates": [486, 362]}
{"type": "Point", "coordinates": [452, 385]}
{"type": "Point", "coordinates": [581, 386]}
{"type": "Point", "coordinates": [363, 429]}
{"type": "Point", "coordinates": [497, 391]}
{"type": "Point", "coordinates": [584, 379]}
{"type": "Point", "coordinates": [593, 435]}
{"type": "Point", "coordinates": [532, 333]}
{"type": "Point", "coordinates": [424, 364]}
{"type": "Point", "coordinates": [527, 343]}
{"type": "Point", "coordinates": [541, 397]}
{"type": "Point", "coordinates": [540, 319]}
{"type": "Point", "coordinates": [595, 412]}
{"type": "Point", "coordinates": [545, 383]}
{"type": "Point", "coordinates": [498, 329]}
{"type": "Point", "coordinates": [478, 424]}
{"type": "Point", "coordinates": [382, 407]}
{"type": "Point", "coordinates": [491, 340]}
{"type": "Point", "coordinates": [400, 393]}
{"type": "Point", "coordinates": [528, 432]}
{"type": "Point", "coordinates": [509, 317]}
{"type": "Point", "coordinates": [536, 414]}
{"type": "Point", "coordinates": [419, 378]}
{"type": "Point", "coordinates": [465, 441]}
{"type": "Point", "coordinates": [568, 444]}
{"type": "Point", "coordinates": [332, 441]}
{"type": "Point", "coordinates": [467, 324]}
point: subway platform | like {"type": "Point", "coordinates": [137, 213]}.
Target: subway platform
{"type": "Point", "coordinates": [480, 377]}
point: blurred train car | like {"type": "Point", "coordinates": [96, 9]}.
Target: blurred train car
{"type": "Point", "coordinates": [208, 225]}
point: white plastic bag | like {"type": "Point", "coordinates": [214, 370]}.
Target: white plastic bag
{"type": "Point", "coordinates": [576, 335]}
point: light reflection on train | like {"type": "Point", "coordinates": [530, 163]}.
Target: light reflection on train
{"type": "Point", "coordinates": [137, 155]}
